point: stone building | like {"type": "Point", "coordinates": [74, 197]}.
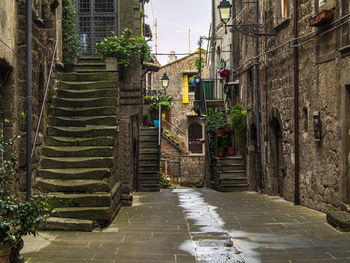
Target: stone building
{"type": "Point", "coordinates": [126, 86]}
{"type": "Point", "coordinates": [185, 160]}
{"type": "Point", "coordinates": [302, 97]}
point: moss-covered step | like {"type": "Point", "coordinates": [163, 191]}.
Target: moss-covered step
{"type": "Point", "coordinates": [75, 173]}
{"type": "Point", "coordinates": [89, 131]}
{"type": "Point", "coordinates": [234, 174]}
{"type": "Point", "coordinates": [88, 76]}
{"type": "Point", "coordinates": [71, 186]}
{"type": "Point", "coordinates": [75, 162]}
{"type": "Point", "coordinates": [84, 85]}
{"type": "Point", "coordinates": [84, 111]}
{"type": "Point", "coordinates": [93, 65]}
{"type": "Point", "coordinates": [84, 102]}
{"type": "Point", "coordinates": [67, 224]}
{"type": "Point", "coordinates": [90, 213]}
{"type": "Point", "coordinates": [80, 200]}
{"type": "Point", "coordinates": [73, 121]}
{"type": "Point", "coordinates": [149, 188]}
{"type": "Point", "coordinates": [339, 220]}
{"type": "Point", "coordinates": [149, 167]}
{"type": "Point", "coordinates": [89, 93]}
{"type": "Point", "coordinates": [77, 151]}
{"type": "Point", "coordinates": [76, 141]}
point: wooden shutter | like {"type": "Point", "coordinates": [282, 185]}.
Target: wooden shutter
{"type": "Point", "coordinates": [185, 89]}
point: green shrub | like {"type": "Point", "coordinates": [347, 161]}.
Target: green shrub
{"type": "Point", "coordinates": [70, 37]}
{"type": "Point", "coordinates": [214, 120]}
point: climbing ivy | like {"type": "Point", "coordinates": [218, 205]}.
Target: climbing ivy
{"type": "Point", "coordinates": [70, 37]}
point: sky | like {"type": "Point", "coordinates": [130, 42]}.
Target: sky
{"type": "Point", "coordinates": [174, 18]}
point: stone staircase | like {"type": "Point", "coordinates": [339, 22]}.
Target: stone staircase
{"type": "Point", "coordinates": [77, 155]}
{"type": "Point", "coordinates": [89, 64]}
{"type": "Point", "coordinates": [229, 174]}
{"type": "Point", "coordinates": [148, 179]}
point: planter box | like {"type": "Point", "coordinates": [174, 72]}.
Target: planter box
{"type": "Point", "coordinates": [322, 18]}
{"type": "Point", "coordinates": [111, 64]}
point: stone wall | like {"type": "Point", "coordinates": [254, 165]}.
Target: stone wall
{"type": "Point", "coordinates": [13, 51]}
{"type": "Point", "coordinates": [192, 170]}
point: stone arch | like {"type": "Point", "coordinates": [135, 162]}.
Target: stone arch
{"type": "Point", "coordinates": [277, 171]}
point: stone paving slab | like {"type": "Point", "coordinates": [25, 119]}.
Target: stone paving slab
{"type": "Point", "coordinates": [165, 227]}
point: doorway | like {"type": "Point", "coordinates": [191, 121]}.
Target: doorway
{"type": "Point", "coordinates": [277, 158]}
{"type": "Point", "coordinates": [96, 20]}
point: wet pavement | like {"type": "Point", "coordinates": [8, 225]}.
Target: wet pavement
{"type": "Point", "coordinates": [186, 225]}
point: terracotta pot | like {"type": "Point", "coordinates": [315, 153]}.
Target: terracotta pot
{"type": "Point", "coordinates": [219, 133]}
{"type": "Point", "coordinates": [227, 129]}
{"type": "Point", "coordinates": [230, 150]}
{"type": "Point", "coordinates": [220, 153]}
{"type": "Point", "coordinates": [5, 252]}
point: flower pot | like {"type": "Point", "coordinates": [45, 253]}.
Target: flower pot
{"type": "Point", "coordinates": [111, 64]}
{"type": "Point", "coordinates": [145, 122]}
{"type": "Point", "coordinates": [227, 129]}
{"type": "Point", "coordinates": [156, 123]}
{"type": "Point", "coordinates": [220, 153]}
{"type": "Point", "coordinates": [321, 18]}
{"type": "Point", "coordinates": [230, 150]}
{"type": "Point", "coordinates": [5, 252]}
{"type": "Point", "coordinates": [219, 133]}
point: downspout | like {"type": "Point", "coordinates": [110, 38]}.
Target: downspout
{"type": "Point", "coordinates": [257, 104]}
{"type": "Point", "coordinates": [296, 104]}
{"type": "Point", "coordinates": [266, 107]}
{"type": "Point", "coordinates": [232, 43]}
{"type": "Point", "coordinates": [29, 124]}
{"type": "Point", "coordinates": [213, 41]}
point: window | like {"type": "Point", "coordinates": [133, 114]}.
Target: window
{"type": "Point", "coordinates": [194, 134]}
{"type": "Point", "coordinates": [284, 8]}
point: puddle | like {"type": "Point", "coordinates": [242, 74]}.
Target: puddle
{"type": "Point", "coordinates": [212, 243]}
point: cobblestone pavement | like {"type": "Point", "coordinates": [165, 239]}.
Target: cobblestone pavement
{"type": "Point", "coordinates": [200, 225]}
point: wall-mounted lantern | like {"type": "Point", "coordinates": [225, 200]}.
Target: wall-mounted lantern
{"type": "Point", "coordinates": [165, 81]}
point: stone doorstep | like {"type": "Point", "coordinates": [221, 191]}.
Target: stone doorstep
{"type": "Point", "coordinates": [67, 224]}
{"type": "Point", "coordinates": [339, 220]}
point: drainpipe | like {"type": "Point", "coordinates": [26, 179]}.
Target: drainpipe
{"type": "Point", "coordinates": [232, 43]}
{"type": "Point", "coordinates": [29, 124]}
{"type": "Point", "coordinates": [213, 42]}
{"type": "Point", "coordinates": [257, 104]}
{"type": "Point", "coordinates": [296, 104]}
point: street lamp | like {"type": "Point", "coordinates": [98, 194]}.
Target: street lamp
{"type": "Point", "coordinates": [165, 81]}
{"type": "Point", "coordinates": [225, 11]}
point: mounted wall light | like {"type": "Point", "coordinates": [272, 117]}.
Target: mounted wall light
{"type": "Point", "coordinates": [225, 11]}
{"type": "Point", "coordinates": [165, 81]}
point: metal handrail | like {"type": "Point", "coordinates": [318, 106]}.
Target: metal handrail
{"type": "Point", "coordinates": [173, 125]}
{"type": "Point", "coordinates": [44, 100]}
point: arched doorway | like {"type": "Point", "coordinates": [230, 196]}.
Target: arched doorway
{"type": "Point", "coordinates": [195, 133]}
{"type": "Point", "coordinates": [277, 162]}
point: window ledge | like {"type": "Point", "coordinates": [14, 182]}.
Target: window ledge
{"type": "Point", "coordinates": [284, 23]}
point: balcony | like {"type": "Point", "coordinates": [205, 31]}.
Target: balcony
{"type": "Point", "coordinates": [213, 93]}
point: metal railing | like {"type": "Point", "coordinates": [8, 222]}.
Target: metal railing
{"type": "Point", "coordinates": [44, 100]}
{"type": "Point", "coordinates": [213, 89]}
{"type": "Point", "coordinates": [173, 126]}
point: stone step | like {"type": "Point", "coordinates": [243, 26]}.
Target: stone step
{"type": "Point", "coordinates": [86, 84]}
{"type": "Point", "coordinates": [80, 200]}
{"type": "Point", "coordinates": [76, 162]}
{"type": "Point", "coordinates": [71, 186]}
{"type": "Point", "coordinates": [93, 76]}
{"type": "Point", "coordinates": [93, 65]}
{"type": "Point", "coordinates": [234, 187]}
{"type": "Point", "coordinates": [234, 181]}
{"type": "Point", "coordinates": [149, 138]}
{"type": "Point", "coordinates": [86, 93]}
{"type": "Point", "coordinates": [230, 166]}
{"type": "Point", "coordinates": [148, 156]}
{"type": "Point", "coordinates": [149, 187]}
{"type": "Point", "coordinates": [146, 144]}
{"type": "Point", "coordinates": [84, 111]}
{"type": "Point", "coordinates": [73, 121]}
{"type": "Point", "coordinates": [77, 151]}
{"type": "Point", "coordinates": [154, 162]}
{"type": "Point", "coordinates": [340, 220]}
{"type": "Point", "coordinates": [89, 131]}
{"type": "Point", "coordinates": [148, 166]}
{"type": "Point", "coordinates": [232, 174]}
{"type": "Point", "coordinates": [69, 141]}
{"type": "Point", "coordinates": [129, 101]}
{"type": "Point", "coordinates": [67, 224]}
{"type": "Point", "coordinates": [149, 174]}
{"type": "Point", "coordinates": [86, 213]}
{"type": "Point", "coordinates": [149, 151]}
{"type": "Point", "coordinates": [148, 181]}
{"type": "Point", "coordinates": [149, 131]}
{"type": "Point", "coordinates": [84, 102]}
{"type": "Point", "coordinates": [83, 60]}
{"type": "Point", "coordinates": [75, 173]}
{"type": "Point", "coordinates": [229, 160]}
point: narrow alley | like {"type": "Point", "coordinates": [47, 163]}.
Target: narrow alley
{"type": "Point", "coordinates": [187, 225]}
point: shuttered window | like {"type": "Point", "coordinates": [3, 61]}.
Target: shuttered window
{"type": "Point", "coordinates": [185, 89]}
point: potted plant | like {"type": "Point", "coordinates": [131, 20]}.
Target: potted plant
{"type": "Point", "coordinates": [322, 18]}
{"type": "Point", "coordinates": [118, 50]}
{"type": "Point", "coordinates": [220, 151]}
{"type": "Point", "coordinates": [145, 119]}
{"type": "Point", "coordinates": [17, 218]}
{"type": "Point", "coordinates": [158, 100]}
{"type": "Point", "coordinates": [214, 120]}
{"type": "Point", "coordinates": [238, 119]}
